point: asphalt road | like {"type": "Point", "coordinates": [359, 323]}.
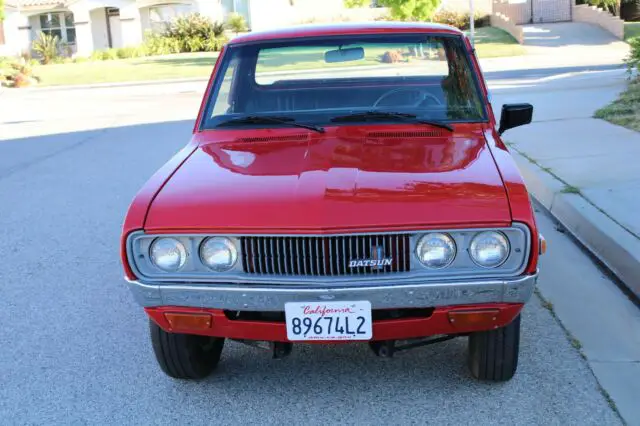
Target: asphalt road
{"type": "Point", "coordinates": [75, 348]}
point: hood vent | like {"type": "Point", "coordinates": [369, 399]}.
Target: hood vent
{"type": "Point", "coordinates": [420, 134]}
{"type": "Point", "coordinates": [287, 138]}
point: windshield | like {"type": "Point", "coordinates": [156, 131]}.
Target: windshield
{"type": "Point", "coordinates": [342, 80]}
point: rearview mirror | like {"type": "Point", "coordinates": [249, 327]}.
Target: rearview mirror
{"type": "Point", "coordinates": [344, 55]}
{"type": "Point", "coordinates": [514, 115]}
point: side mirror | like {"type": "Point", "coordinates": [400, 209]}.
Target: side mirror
{"type": "Point", "coordinates": [514, 115]}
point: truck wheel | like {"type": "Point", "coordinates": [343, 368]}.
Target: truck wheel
{"type": "Point", "coordinates": [185, 356]}
{"type": "Point", "coordinates": [493, 354]}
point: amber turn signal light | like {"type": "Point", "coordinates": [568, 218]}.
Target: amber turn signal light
{"type": "Point", "coordinates": [543, 245]}
{"type": "Point", "coordinates": [180, 321]}
{"type": "Point", "coordinates": [464, 319]}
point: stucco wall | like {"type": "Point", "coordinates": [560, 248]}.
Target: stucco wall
{"type": "Point", "coordinates": [99, 29]}
{"type": "Point", "coordinates": [501, 21]}
{"type": "Point", "coordinates": [279, 13]}
{"type": "Point", "coordinates": [479, 6]}
{"type": "Point", "coordinates": [597, 16]}
{"type": "Point", "coordinates": [14, 41]}
{"type": "Point", "coordinates": [518, 11]}
{"type": "Point", "coordinates": [144, 19]}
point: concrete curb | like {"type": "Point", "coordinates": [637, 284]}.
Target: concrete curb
{"type": "Point", "coordinates": [615, 247]}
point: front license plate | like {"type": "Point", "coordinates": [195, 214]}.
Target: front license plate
{"type": "Point", "coordinates": [328, 321]}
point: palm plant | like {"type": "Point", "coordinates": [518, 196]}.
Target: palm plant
{"type": "Point", "coordinates": [46, 45]}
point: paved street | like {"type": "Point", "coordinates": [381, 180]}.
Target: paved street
{"type": "Point", "coordinates": [76, 349]}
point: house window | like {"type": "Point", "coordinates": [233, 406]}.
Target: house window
{"type": "Point", "coordinates": [59, 24]}
{"type": "Point", "coordinates": [161, 16]}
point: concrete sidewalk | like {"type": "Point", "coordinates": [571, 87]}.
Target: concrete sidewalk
{"type": "Point", "coordinates": [585, 172]}
{"type": "Point", "coordinates": [583, 169]}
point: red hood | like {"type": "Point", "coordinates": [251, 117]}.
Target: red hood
{"type": "Point", "coordinates": [343, 179]}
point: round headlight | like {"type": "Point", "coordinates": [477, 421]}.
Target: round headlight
{"type": "Point", "coordinates": [218, 253]}
{"type": "Point", "coordinates": [489, 249]}
{"type": "Point", "coordinates": [436, 250]}
{"type": "Point", "coordinates": [168, 254]}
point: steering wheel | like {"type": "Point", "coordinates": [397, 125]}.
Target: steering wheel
{"type": "Point", "coordinates": [424, 95]}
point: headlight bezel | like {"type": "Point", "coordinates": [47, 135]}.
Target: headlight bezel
{"type": "Point", "coordinates": [518, 238]}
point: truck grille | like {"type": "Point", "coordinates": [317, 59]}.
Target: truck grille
{"type": "Point", "coordinates": [325, 256]}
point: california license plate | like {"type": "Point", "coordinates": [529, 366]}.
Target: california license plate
{"type": "Point", "coordinates": [328, 321]}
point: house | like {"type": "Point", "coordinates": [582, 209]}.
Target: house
{"type": "Point", "coordinates": [88, 25]}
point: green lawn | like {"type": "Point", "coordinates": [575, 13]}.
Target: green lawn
{"type": "Point", "coordinates": [150, 68]}
{"type": "Point", "coordinates": [631, 30]}
{"type": "Point", "coordinates": [491, 42]}
{"type": "Point", "coordinates": [624, 111]}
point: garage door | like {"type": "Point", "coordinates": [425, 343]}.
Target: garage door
{"type": "Point", "coordinates": [551, 11]}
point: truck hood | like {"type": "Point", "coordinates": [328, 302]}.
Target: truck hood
{"type": "Point", "coordinates": [334, 181]}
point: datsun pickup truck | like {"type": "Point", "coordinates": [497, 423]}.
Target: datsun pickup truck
{"type": "Point", "coordinates": [343, 183]}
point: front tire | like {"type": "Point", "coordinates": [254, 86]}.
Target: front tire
{"type": "Point", "coordinates": [185, 356]}
{"type": "Point", "coordinates": [493, 354]}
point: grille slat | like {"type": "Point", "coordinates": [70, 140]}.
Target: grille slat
{"type": "Point", "coordinates": [320, 257]}
{"type": "Point", "coordinates": [304, 255]}
{"type": "Point", "coordinates": [331, 241]}
{"type": "Point", "coordinates": [324, 256]}
{"type": "Point", "coordinates": [396, 253]}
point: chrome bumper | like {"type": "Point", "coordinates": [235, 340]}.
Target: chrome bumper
{"type": "Point", "coordinates": [273, 297]}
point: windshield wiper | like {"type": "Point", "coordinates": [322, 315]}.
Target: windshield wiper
{"type": "Point", "coordinates": [265, 119]}
{"type": "Point", "coordinates": [384, 115]}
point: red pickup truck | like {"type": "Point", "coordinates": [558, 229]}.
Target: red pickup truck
{"type": "Point", "coordinates": [343, 183]}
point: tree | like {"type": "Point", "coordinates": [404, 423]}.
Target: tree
{"type": "Point", "coordinates": [236, 23]}
{"type": "Point", "coordinates": [356, 3]}
{"type": "Point", "coordinates": [411, 10]}
{"type": "Point", "coordinates": [1, 10]}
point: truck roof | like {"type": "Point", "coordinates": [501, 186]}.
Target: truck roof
{"type": "Point", "coordinates": [335, 29]}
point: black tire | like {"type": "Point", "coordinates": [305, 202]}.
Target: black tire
{"type": "Point", "coordinates": [493, 354]}
{"type": "Point", "coordinates": [185, 356]}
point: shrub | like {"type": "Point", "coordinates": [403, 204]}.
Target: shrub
{"type": "Point", "coordinates": [47, 47]}
{"type": "Point", "coordinates": [96, 55]}
{"type": "Point", "coordinates": [411, 10]}
{"type": "Point", "coordinates": [156, 44]}
{"type": "Point", "coordinates": [391, 56]}
{"type": "Point", "coordinates": [21, 74]}
{"type": "Point", "coordinates": [110, 54]}
{"type": "Point", "coordinates": [26, 55]}
{"type": "Point", "coordinates": [80, 59]}
{"type": "Point", "coordinates": [633, 60]}
{"type": "Point", "coordinates": [460, 20]}
{"type": "Point", "coordinates": [218, 29]}
{"type": "Point", "coordinates": [130, 52]}
{"type": "Point", "coordinates": [190, 33]}
{"type": "Point", "coordinates": [236, 23]}
{"type": "Point", "coordinates": [350, 4]}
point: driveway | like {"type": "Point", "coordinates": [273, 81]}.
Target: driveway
{"type": "Point", "coordinates": [574, 39]}
{"type": "Point", "coordinates": [567, 45]}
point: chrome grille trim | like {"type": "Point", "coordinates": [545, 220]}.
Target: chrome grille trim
{"type": "Point", "coordinates": [324, 255]}
{"type": "Point", "coordinates": [138, 242]}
